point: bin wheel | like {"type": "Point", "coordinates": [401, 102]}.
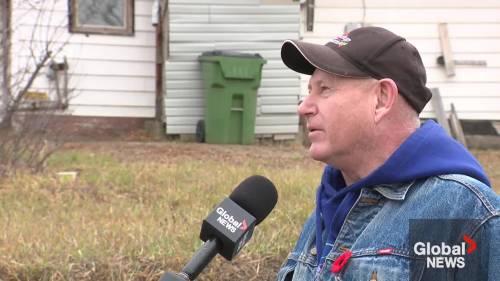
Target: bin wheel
{"type": "Point", "coordinates": [200, 131]}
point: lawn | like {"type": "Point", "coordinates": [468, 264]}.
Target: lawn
{"type": "Point", "coordinates": [135, 209]}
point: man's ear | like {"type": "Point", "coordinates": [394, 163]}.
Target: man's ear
{"type": "Point", "coordinates": [387, 93]}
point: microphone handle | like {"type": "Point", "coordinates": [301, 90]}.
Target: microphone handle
{"type": "Point", "coordinates": [170, 276]}
{"type": "Point", "coordinates": [201, 259]}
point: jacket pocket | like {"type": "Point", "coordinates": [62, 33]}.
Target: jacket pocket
{"type": "Point", "coordinates": [285, 273]}
{"type": "Point", "coordinates": [378, 268]}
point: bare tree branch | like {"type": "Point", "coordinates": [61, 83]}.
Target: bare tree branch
{"type": "Point", "coordinates": [28, 138]}
{"type": "Point", "coordinates": [14, 104]}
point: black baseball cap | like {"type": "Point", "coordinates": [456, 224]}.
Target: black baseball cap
{"type": "Point", "coordinates": [364, 52]}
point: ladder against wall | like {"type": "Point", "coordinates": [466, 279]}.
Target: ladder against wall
{"type": "Point", "coordinates": [449, 122]}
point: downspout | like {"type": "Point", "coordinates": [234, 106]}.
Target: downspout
{"type": "Point", "coordinates": [5, 89]}
{"type": "Point", "coordinates": [309, 15]}
{"type": "Point", "coordinates": [157, 10]}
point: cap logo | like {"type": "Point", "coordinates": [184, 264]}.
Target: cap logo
{"type": "Point", "coordinates": [341, 40]}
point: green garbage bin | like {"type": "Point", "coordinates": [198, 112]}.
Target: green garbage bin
{"type": "Point", "coordinates": [230, 82]}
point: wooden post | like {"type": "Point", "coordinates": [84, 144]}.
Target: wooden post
{"type": "Point", "coordinates": [437, 105]}
{"type": "Point", "coordinates": [444, 39]}
{"type": "Point", "coordinates": [456, 127]}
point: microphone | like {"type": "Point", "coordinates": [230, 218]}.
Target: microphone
{"type": "Point", "coordinates": [230, 225]}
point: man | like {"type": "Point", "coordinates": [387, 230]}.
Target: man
{"type": "Point", "coordinates": [397, 200]}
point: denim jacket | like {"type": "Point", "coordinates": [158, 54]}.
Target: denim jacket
{"type": "Point", "coordinates": [377, 229]}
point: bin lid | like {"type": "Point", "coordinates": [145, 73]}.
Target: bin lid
{"type": "Point", "coordinates": [234, 64]}
{"type": "Point", "coordinates": [230, 54]}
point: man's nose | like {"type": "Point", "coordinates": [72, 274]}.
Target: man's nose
{"type": "Point", "coordinates": [306, 107]}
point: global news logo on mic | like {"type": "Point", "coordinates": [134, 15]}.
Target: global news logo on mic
{"type": "Point", "coordinates": [229, 222]}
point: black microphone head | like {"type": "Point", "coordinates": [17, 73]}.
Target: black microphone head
{"type": "Point", "coordinates": [257, 195]}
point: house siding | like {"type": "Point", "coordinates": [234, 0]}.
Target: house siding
{"type": "Point", "coordinates": [110, 76]}
{"type": "Point", "coordinates": [474, 31]}
{"type": "Point", "coordinates": [246, 26]}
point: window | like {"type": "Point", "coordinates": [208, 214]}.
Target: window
{"type": "Point", "coordinates": [114, 17]}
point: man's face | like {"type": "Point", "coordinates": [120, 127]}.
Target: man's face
{"type": "Point", "coordinates": [340, 115]}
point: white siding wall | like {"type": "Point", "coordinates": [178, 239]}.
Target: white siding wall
{"type": "Point", "coordinates": [474, 30]}
{"type": "Point", "coordinates": [237, 25]}
{"type": "Point", "coordinates": [109, 75]}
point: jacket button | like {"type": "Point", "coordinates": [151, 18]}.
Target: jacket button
{"type": "Point", "coordinates": [313, 251]}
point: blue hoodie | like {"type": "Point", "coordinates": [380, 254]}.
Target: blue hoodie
{"type": "Point", "coordinates": [429, 151]}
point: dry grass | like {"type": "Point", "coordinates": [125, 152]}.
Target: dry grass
{"type": "Point", "coordinates": [135, 209]}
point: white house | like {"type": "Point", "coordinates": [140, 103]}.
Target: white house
{"type": "Point", "coordinates": [115, 55]}
{"type": "Point", "coordinates": [474, 34]}
{"type": "Point", "coordinates": [111, 49]}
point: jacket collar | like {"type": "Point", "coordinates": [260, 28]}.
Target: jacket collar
{"type": "Point", "coordinates": [394, 191]}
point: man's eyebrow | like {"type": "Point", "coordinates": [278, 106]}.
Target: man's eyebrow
{"type": "Point", "coordinates": [309, 85]}
{"type": "Point", "coordinates": [316, 82]}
